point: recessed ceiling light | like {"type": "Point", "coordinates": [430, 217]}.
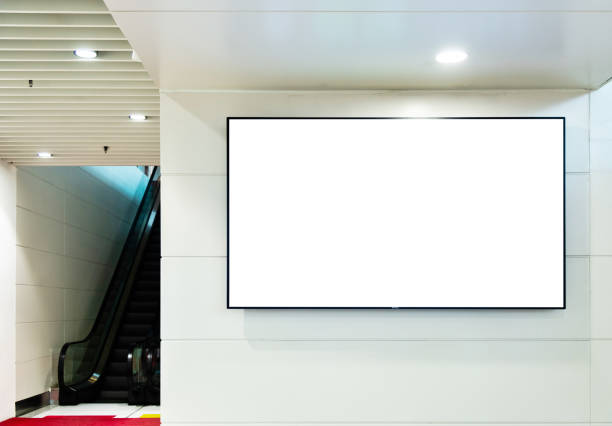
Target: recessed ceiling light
{"type": "Point", "coordinates": [85, 53]}
{"type": "Point", "coordinates": [44, 155]}
{"type": "Point", "coordinates": [137, 117]}
{"type": "Point", "coordinates": [451, 56]}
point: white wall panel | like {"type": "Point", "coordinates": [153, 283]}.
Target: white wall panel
{"type": "Point", "coordinates": [195, 208]}
{"type": "Point", "coordinates": [39, 196]}
{"type": "Point", "coordinates": [82, 304]}
{"type": "Point", "coordinates": [90, 218]}
{"type": "Point", "coordinates": [326, 367]}
{"type": "Point", "coordinates": [193, 299]}
{"type": "Point", "coordinates": [81, 274]}
{"type": "Point", "coordinates": [8, 188]}
{"type": "Point", "coordinates": [601, 246]}
{"type": "Point", "coordinates": [577, 239]}
{"type": "Point", "coordinates": [39, 232]}
{"type": "Point", "coordinates": [601, 297]}
{"type": "Point", "coordinates": [57, 176]}
{"type": "Point", "coordinates": [39, 304]}
{"type": "Point", "coordinates": [34, 377]}
{"type": "Point", "coordinates": [204, 141]}
{"type": "Point", "coordinates": [365, 381]}
{"type": "Point", "coordinates": [88, 188]}
{"type": "Point", "coordinates": [601, 212]}
{"type": "Point", "coordinates": [600, 112]}
{"type": "Point", "coordinates": [87, 246]}
{"type": "Point", "coordinates": [77, 330]}
{"type": "Point", "coordinates": [601, 381]}
{"type": "Point", "coordinates": [601, 155]}
{"type": "Point", "coordinates": [39, 339]}
{"type": "Point", "coordinates": [40, 267]}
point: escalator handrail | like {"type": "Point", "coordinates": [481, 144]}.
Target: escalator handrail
{"type": "Point", "coordinates": [152, 185]}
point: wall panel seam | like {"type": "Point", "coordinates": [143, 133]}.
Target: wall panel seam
{"type": "Point", "coordinates": [65, 191]}
{"type": "Point", "coordinates": [188, 257]}
{"type": "Point", "coordinates": [197, 174]}
{"type": "Point", "coordinates": [307, 92]}
{"type": "Point", "coordinates": [67, 224]}
{"type": "Point", "coordinates": [590, 289]}
{"type": "Point", "coordinates": [39, 322]}
{"type": "Point", "coordinates": [62, 255]}
{"type": "Point", "coordinates": [33, 359]}
{"type": "Point", "coordinates": [374, 339]}
{"type": "Point", "coordinates": [569, 256]}
{"type": "Point", "coordinates": [90, 290]}
{"type": "Point", "coordinates": [25, 361]}
{"type": "Point", "coordinates": [171, 173]}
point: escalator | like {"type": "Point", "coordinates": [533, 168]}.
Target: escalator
{"type": "Point", "coordinates": [119, 359]}
{"type": "Point", "coordinates": [140, 322]}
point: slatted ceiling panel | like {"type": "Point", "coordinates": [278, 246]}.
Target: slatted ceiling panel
{"type": "Point", "coordinates": [73, 75]}
{"type": "Point", "coordinates": [78, 84]}
{"type": "Point", "coordinates": [18, 92]}
{"type": "Point", "coordinates": [76, 120]}
{"type": "Point", "coordinates": [59, 56]}
{"type": "Point", "coordinates": [64, 45]}
{"type": "Point", "coordinates": [56, 20]}
{"type": "Point", "coordinates": [53, 6]}
{"type": "Point", "coordinates": [75, 107]}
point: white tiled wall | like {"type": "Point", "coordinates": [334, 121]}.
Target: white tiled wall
{"type": "Point", "coordinates": [601, 250]}
{"type": "Point", "coordinates": [329, 367]}
{"type": "Point", "coordinates": [70, 230]}
{"type": "Point", "coordinates": [8, 187]}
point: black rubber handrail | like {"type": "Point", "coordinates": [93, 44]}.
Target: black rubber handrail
{"type": "Point", "coordinates": [106, 323]}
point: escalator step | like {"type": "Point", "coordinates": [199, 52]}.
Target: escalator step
{"type": "Point", "coordinates": [118, 355]}
{"type": "Point", "coordinates": [113, 396]}
{"type": "Point", "coordinates": [153, 274]}
{"type": "Point", "coordinates": [117, 368]}
{"type": "Point", "coordinates": [145, 295]}
{"type": "Point", "coordinates": [125, 342]}
{"type": "Point", "coordinates": [135, 330]}
{"type": "Point", "coordinates": [148, 282]}
{"type": "Point", "coordinates": [140, 317]}
{"type": "Point", "coordinates": [114, 383]}
{"type": "Point", "coordinates": [143, 306]}
{"type": "Point", "coordinates": [147, 287]}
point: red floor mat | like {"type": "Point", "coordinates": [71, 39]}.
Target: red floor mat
{"type": "Point", "coordinates": [79, 421]}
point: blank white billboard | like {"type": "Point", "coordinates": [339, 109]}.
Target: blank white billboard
{"type": "Point", "coordinates": [396, 213]}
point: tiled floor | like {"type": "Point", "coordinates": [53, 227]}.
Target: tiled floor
{"type": "Point", "coordinates": [117, 410]}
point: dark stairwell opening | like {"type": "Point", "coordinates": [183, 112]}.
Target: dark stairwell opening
{"type": "Point", "coordinates": [119, 360]}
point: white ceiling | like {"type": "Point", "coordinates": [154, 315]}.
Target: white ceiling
{"type": "Point", "coordinates": [74, 107]}
{"type": "Point", "coordinates": [369, 44]}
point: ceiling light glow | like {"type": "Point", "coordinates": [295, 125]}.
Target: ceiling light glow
{"type": "Point", "coordinates": [85, 53]}
{"type": "Point", "coordinates": [137, 117]}
{"type": "Point", "coordinates": [44, 155]}
{"type": "Point", "coordinates": [451, 56]}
